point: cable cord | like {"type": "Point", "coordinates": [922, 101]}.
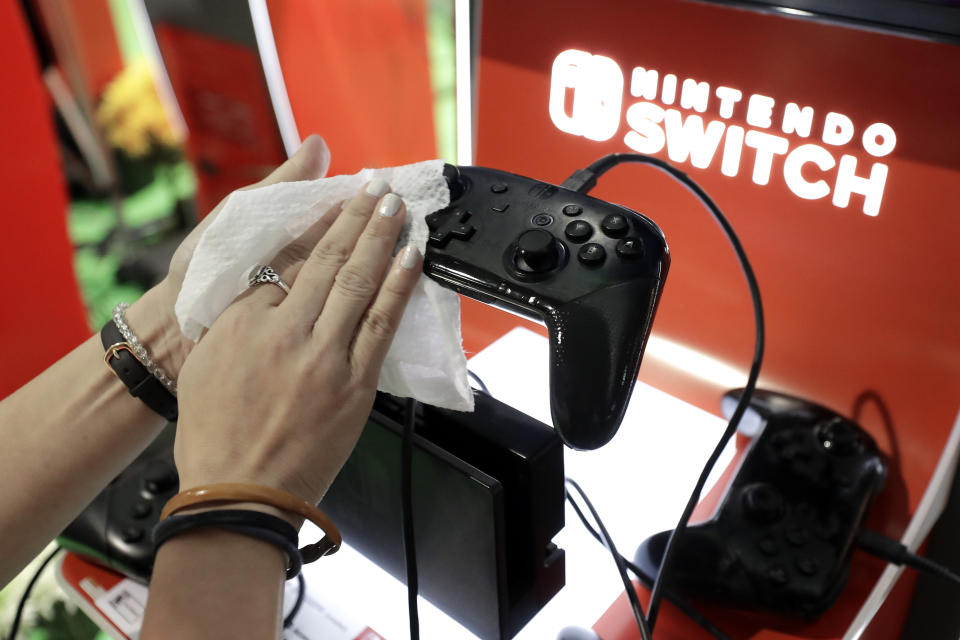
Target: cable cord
{"type": "Point", "coordinates": [607, 541]}
{"type": "Point", "coordinates": [894, 551]}
{"type": "Point", "coordinates": [583, 181]}
{"type": "Point", "coordinates": [301, 592]}
{"type": "Point", "coordinates": [15, 627]}
{"type": "Point", "coordinates": [647, 581]}
{"type": "Point", "coordinates": [406, 510]}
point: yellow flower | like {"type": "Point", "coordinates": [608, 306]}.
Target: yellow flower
{"type": "Point", "coordinates": [131, 113]}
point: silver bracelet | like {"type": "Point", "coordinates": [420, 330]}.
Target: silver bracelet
{"type": "Point", "coordinates": [139, 350]}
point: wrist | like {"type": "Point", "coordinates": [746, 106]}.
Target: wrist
{"type": "Point", "coordinates": [154, 322]}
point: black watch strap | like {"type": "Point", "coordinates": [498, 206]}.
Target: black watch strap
{"type": "Point", "coordinates": [140, 382]}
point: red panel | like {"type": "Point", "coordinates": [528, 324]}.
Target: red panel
{"type": "Point", "coordinates": [221, 90]}
{"type": "Point", "coordinates": [42, 316]}
{"type": "Point", "coordinates": [853, 302]}
{"type": "Point", "coordinates": [357, 73]}
{"type": "Point", "coordinates": [96, 41]}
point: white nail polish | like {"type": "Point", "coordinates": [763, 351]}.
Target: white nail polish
{"type": "Point", "coordinates": [389, 205]}
{"type": "Point", "coordinates": [410, 257]}
{"type": "Point", "coordinates": [377, 188]}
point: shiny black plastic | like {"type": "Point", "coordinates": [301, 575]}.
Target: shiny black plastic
{"type": "Point", "coordinates": [598, 312]}
{"type": "Point", "coordinates": [783, 534]}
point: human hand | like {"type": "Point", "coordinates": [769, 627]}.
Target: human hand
{"type": "Point", "coordinates": [152, 316]}
{"type": "Point", "coordinates": [278, 390]}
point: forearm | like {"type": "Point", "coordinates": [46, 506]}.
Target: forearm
{"type": "Point", "coordinates": [66, 434]}
{"type": "Point", "coordinates": [210, 583]}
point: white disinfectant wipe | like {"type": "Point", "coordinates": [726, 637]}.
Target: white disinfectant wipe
{"type": "Point", "coordinates": [426, 359]}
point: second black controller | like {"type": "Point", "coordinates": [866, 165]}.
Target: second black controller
{"type": "Point", "coordinates": [591, 271]}
{"type": "Point", "coordinates": [782, 536]}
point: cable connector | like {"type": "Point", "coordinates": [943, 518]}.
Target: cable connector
{"type": "Point", "coordinates": [893, 551]}
{"type": "Point", "coordinates": [582, 181]}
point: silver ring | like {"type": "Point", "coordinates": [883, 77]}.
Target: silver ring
{"type": "Point", "coordinates": [264, 274]}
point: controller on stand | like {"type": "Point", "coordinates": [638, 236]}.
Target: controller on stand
{"type": "Point", "coordinates": [591, 271]}
{"type": "Point", "coordinates": [782, 535]}
{"type": "Point", "coordinates": [115, 530]}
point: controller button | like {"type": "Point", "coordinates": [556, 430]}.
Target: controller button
{"type": "Point", "coordinates": [141, 509]}
{"type": "Point", "coordinates": [762, 502]}
{"type": "Point", "coordinates": [839, 437]}
{"type": "Point", "coordinates": [630, 248]}
{"type": "Point", "coordinates": [807, 565]}
{"type": "Point", "coordinates": [498, 188]}
{"type": "Point", "coordinates": [500, 208]}
{"type": "Point", "coordinates": [464, 216]}
{"type": "Point", "coordinates": [579, 231]}
{"type": "Point", "coordinates": [543, 220]}
{"type": "Point", "coordinates": [537, 251]}
{"type": "Point", "coordinates": [159, 477]}
{"type": "Point", "coordinates": [572, 210]}
{"type": "Point", "coordinates": [434, 220]}
{"type": "Point", "coordinates": [452, 175]}
{"type": "Point", "coordinates": [843, 480]}
{"type": "Point", "coordinates": [591, 254]}
{"type": "Point", "coordinates": [615, 225]}
{"type": "Point", "coordinates": [768, 546]}
{"type": "Point", "coordinates": [778, 575]}
{"type": "Point", "coordinates": [798, 536]}
{"type": "Point", "coordinates": [131, 534]}
{"type": "Point", "coordinates": [463, 231]}
{"type": "Point", "coordinates": [828, 528]}
{"type": "Point", "coordinates": [439, 238]}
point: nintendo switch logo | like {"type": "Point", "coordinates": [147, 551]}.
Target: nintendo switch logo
{"type": "Point", "coordinates": [587, 96]}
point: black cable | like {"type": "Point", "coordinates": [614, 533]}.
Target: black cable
{"type": "Point", "coordinates": [635, 605]}
{"type": "Point", "coordinates": [479, 382]}
{"type": "Point", "coordinates": [893, 551]}
{"type": "Point", "coordinates": [15, 627]}
{"type": "Point", "coordinates": [647, 581]}
{"type": "Point", "coordinates": [301, 592]}
{"type": "Point", "coordinates": [584, 180]}
{"type": "Point", "coordinates": [406, 510]}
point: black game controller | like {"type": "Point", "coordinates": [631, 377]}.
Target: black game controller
{"type": "Point", "coordinates": [116, 529]}
{"type": "Point", "coordinates": [591, 271]}
{"type": "Point", "coordinates": [782, 535]}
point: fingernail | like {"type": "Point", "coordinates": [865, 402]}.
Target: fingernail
{"type": "Point", "coordinates": [389, 205]}
{"type": "Point", "coordinates": [410, 257]}
{"type": "Point", "coordinates": [377, 188]}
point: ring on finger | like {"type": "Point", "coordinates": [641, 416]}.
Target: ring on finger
{"type": "Point", "coordinates": [265, 274]}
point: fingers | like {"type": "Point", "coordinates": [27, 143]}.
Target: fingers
{"type": "Point", "coordinates": [381, 319]}
{"type": "Point", "coordinates": [359, 279]}
{"type": "Point", "coordinates": [316, 277]}
{"type": "Point", "coordinates": [290, 259]}
{"type": "Point", "coordinates": [310, 162]}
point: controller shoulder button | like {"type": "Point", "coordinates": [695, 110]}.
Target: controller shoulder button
{"type": "Point", "coordinates": [615, 225]}
{"type": "Point", "coordinates": [630, 248]}
{"type": "Point", "coordinates": [578, 231]}
{"type": "Point", "coordinates": [572, 210]}
{"type": "Point", "coordinates": [591, 254]}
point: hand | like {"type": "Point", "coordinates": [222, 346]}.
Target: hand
{"type": "Point", "coordinates": [152, 316]}
{"type": "Point", "coordinates": [278, 390]}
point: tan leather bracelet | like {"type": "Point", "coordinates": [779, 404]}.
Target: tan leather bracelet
{"type": "Point", "coordinates": [230, 492]}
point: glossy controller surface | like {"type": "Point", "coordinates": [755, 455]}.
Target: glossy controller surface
{"type": "Point", "coordinates": [591, 271]}
{"type": "Point", "coordinates": [782, 536]}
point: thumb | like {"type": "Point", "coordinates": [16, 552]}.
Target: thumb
{"type": "Point", "coordinates": [310, 162]}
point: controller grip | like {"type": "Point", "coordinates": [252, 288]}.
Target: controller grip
{"type": "Point", "coordinates": [597, 344]}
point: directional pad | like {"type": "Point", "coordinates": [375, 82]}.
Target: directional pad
{"type": "Point", "coordinates": [447, 224]}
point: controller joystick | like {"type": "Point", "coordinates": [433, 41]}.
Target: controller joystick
{"type": "Point", "coordinates": [783, 533]}
{"type": "Point", "coordinates": [521, 245]}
